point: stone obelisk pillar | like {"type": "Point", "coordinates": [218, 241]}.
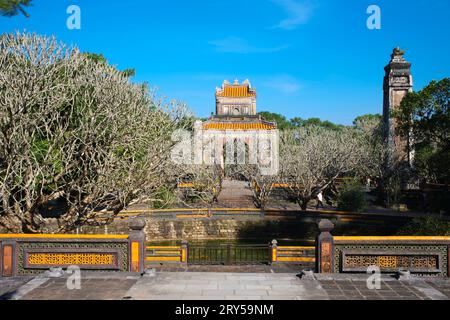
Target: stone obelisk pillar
{"type": "Point", "coordinates": [397, 83]}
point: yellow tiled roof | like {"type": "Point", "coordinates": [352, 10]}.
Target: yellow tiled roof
{"type": "Point", "coordinates": [238, 126]}
{"type": "Point", "coordinates": [236, 92]}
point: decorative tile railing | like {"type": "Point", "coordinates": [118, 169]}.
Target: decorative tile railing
{"type": "Point", "coordinates": [426, 256]}
{"type": "Point", "coordinates": [27, 254]}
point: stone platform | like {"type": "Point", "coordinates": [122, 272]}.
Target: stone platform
{"type": "Point", "coordinates": [221, 286]}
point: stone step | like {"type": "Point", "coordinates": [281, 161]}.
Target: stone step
{"type": "Point", "coordinates": [235, 194]}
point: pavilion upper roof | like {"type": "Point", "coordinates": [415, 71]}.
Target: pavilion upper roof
{"type": "Point", "coordinates": [236, 90]}
{"type": "Point", "coordinates": [249, 124]}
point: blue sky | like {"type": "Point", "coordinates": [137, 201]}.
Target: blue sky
{"type": "Point", "coordinates": [307, 58]}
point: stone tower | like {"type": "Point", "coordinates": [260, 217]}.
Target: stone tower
{"type": "Point", "coordinates": [397, 83]}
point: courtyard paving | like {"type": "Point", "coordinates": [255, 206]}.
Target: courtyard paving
{"type": "Point", "coordinates": [221, 286]}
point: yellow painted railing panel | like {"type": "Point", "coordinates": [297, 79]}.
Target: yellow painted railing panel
{"type": "Point", "coordinates": [296, 259]}
{"type": "Point", "coordinates": [166, 254]}
{"type": "Point", "coordinates": [135, 251]}
{"type": "Point", "coordinates": [296, 248]}
{"type": "Point", "coordinates": [193, 216]}
{"type": "Point", "coordinates": [177, 259]}
{"type": "Point", "coordinates": [293, 254]}
{"type": "Point", "coordinates": [163, 252]}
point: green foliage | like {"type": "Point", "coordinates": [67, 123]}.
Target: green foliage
{"type": "Point", "coordinates": [129, 73]}
{"type": "Point", "coordinates": [426, 226]}
{"type": "Point", "coordinates": [426, 116]}
{"type": "Point", "coordinates": [164, 198]}
{"type": "Point", "coordinates": [40, 151]}
{"type": "Point", "coordinates": [367, 118]}
{"type": "Point", "coordinates": [100, 58]}
{"type": "Point", "coordinates": [10, 8]}
{"type": "Point", "coordinates": [352, 198]}
{"type": "Point", "coordinates": [96, 57]}
{"type": "Point", "coordinates": [391, 188]}
{"type": "Point", "coordinates": [298, 122]}
{"type": "Point", "coordinates": [280, 120]}
{"type": "Point", "coordinates": [438, 202]}
{"type": "Point", "coordinates": [188, 122]}
{"type": "Point", "coordinates": [284, 124]}
{"type": "Point", "coordinates": [433, 164]}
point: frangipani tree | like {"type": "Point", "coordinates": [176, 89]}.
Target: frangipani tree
{"type": "Point", "coordinates": [77, 132]}
{"type": "Point", "coordinates": [203, 183]}
{"type": "Point", "coordinates": [262, 185]}
{"type": "Point", "coordinates": [312, 158]}
{"type": "Point", "coordinates": [9, 8]}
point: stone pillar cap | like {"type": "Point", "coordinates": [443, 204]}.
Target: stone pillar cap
{"type": "Point", "coordinates": [137, 224]}
{"type": "Point", "coordinates": [326, 225]}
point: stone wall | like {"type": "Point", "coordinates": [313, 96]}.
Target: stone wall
{"type": "Point", "coordinates": [198, 229]}
{"type": "Point", "coordinates": [210, 229]}
{"type": "Point", "coordinates": [281, 226]}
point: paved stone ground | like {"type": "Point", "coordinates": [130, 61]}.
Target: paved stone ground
{"type": "Point", "coordinates": [357, 290]}
{"type": "Point", "coordinates": [225, 286]}
{"type": "Point", "coordinates": [354, 287]}
{"type": "Point", "coordinates": [441, 285]}
{"type": "Point", "coordinates": [8, 285]}
{"type": "Point", "coordinates": [222, 286]}
{"type": "Point", "coordinates": [262, 268]}
{"type": "Point", "coordinates": [94, 286]}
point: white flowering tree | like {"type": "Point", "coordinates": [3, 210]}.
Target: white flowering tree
{"type": "Point", "coordinates": [200, 183]}
{"type": "Point", "coordinates": [76, 133]}
{"type": "Point", "coordinates": [262, 185]}
{"type": "Point", "coordinates": [312, 158]}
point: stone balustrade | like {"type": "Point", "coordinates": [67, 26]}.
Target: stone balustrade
{"type": "Point", "coordinates": [28, 254]}
{"type": "Point", "coordinates": [425, 256]}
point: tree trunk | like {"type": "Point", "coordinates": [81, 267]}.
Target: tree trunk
{"type": "Point", "coordinates": [304, 204]}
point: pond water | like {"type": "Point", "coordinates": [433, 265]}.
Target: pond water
{"type": "Point", "coordinates": [303, 230]}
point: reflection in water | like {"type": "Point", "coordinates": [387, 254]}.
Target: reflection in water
{"type": "Point", "coordinates": [302, 230]}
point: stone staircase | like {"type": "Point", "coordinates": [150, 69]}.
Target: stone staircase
{"type": "Point", "coordinates": [235, 194]}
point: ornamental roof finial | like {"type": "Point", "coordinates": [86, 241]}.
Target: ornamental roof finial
{"type": "Point", "coordinates": [398, 51]}
{"type": "Point", "coordinates": [397, 55]}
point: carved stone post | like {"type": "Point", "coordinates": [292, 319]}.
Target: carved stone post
{"type": "Point", "coordinates": [325, 247]}
{"type": "Point", "coordinates": [137, 245]}
{"type": "Point", "coordinates": [274, 251]}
